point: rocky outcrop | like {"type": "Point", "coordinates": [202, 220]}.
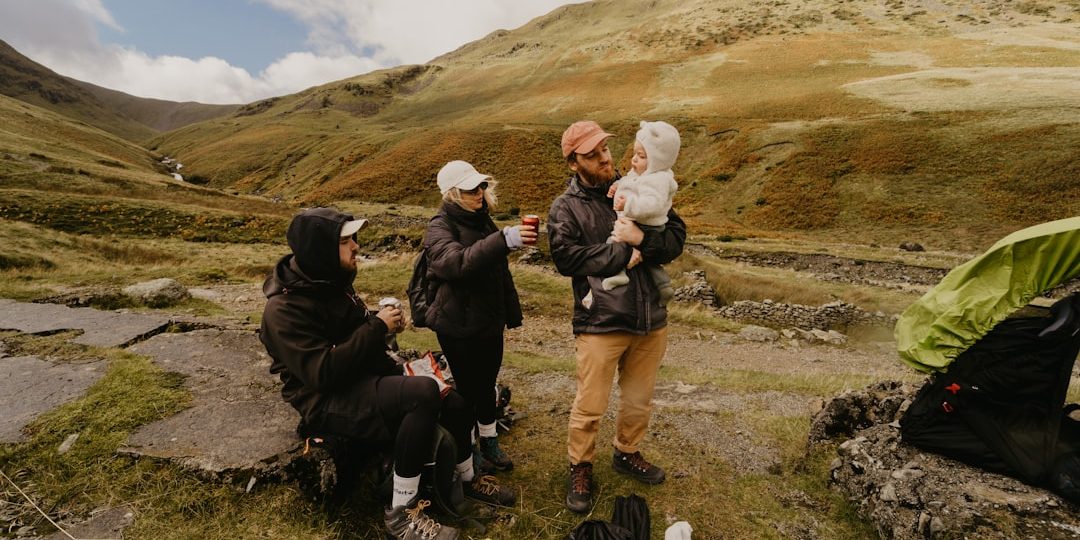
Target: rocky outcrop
{"type": "Point", "coordinates": [909, 494]}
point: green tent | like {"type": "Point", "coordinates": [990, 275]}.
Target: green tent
{"type": "Point", "coordinates": [975, 296]}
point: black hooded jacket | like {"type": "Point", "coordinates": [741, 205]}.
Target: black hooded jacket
{"type": "Point", "coordinates": [467, 255]}
{"type": "Point", "coordinates": [320, 336]}
{"type": "Point", "coordinates": [579, 223]}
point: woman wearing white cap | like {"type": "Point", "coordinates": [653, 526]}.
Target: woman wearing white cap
{"type": "Point", "coordinates": [476, 299]}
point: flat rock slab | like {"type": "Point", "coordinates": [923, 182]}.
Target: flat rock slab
{"type": "Point", "coordinates": [107, 523]}
{"type": "Point", "coordinates": [100, 328]}
{"type": "Point", "coordinates": [238, 426]}
{"type": "Point", "coordinates": [30, 386]}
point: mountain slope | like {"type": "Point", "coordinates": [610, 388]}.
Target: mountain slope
{"type": "Point", "coordinates": [75, 178]}
{"type": "Point", "coordinates": [130, 117]}
{"type": "Point", "coordinates": [868, 120]}
{"type": "Point", "coordinates": [158, 114]}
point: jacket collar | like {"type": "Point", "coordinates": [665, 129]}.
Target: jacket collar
{"type": "Point", "coordinates": [577, 189]}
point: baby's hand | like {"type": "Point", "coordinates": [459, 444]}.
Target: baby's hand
{"type": "Point", "coordinates": [620, 202]}
{"type": "Point", "coordinates": [611, 190]}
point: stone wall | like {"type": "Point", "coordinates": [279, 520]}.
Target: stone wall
{"type": "Point", "coordinates": [834, 315]}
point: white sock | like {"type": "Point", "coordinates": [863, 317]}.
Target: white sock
{"type": "Point", "coordinates": [488, 430]}
{"type": "Point", "coordinates": [404, 490]}
{"type": "Point", "coordinates": [465, 470]}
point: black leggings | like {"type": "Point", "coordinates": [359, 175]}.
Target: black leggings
{"type": "Point", "coordinates": [475, 363]}
{"type": "Point", "coordinates": [412, 406]}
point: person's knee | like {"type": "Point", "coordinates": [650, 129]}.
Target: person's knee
{"type": "Point", "coordinates": [454, 401]}
{"type": "Point", "coordinates": [421, 393]}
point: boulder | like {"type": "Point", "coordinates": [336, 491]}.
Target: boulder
{"type": "Point", "coordinates": [758, 333]}
{"type": "Point", "coordinates": [158, 293]}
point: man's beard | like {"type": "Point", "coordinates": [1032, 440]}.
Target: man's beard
{"type": "Point", "coordinates": [594, 180]}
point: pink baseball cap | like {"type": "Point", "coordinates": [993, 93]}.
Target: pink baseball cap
{"type": "Point", "coordinates": [582, 137]}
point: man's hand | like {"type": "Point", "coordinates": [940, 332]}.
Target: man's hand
{"type": "Point", "coordinates": [627, 231]}
{"type": "Point", "coordinates": [393, 317]}
{"type": "Point", "coordinates": [620, 203]}
{"type": "Point", "coordinates": [635, 259]}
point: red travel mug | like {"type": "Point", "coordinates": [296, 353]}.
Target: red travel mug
{"type": "Point", "coordinates": [534, 220]}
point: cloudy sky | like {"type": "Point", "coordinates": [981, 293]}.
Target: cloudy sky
{"type": "Point", "coordinates": [238, 51]}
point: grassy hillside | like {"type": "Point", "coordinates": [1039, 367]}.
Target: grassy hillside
{"type": "Point", "coordinates": [871, 120]}
{"type": "Point", "coordinates": [158, 114]}
{"type": "Point", "coordinates": [132, 118]}
{"type": "Point", "coordinates": [79, 180]}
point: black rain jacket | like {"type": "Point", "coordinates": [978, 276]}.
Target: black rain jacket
{"type": "Point", "coordinates": [579, 224]}
{"type": "Point", "coordinates": [321, 337]}
{"type": "Point", "coordinates": [467, 256]}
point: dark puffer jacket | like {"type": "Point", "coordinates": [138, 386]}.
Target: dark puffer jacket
{"type": "Point", "coordinates": [467, 256]}
{"type": "Point", "coordinates": [320, 336]}
{"type": "Point", "coordinates": [579, 223]}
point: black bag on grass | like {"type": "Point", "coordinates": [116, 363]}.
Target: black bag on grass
{"type": "Point", "coordinates": [595, 529]}
{"type": "Point", "coordinates": [632, 514]}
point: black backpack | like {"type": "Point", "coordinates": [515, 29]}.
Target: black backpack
{"type": "Point", "coordinates": [421, 290]}
{"type": "Point", "coordinates": [1001, 405]}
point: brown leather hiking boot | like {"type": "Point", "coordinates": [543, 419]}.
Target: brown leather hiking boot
{"type": "Point", "coordinates": [486, 489]}
{"type": "Point", "coordinates": [490, 451]}
{"type": "Point", "coordinates": [636, 466]}
{"type": "Point", "coordinates": [409, 523]}
{"type": "Point", "coordinates": [579, 488]}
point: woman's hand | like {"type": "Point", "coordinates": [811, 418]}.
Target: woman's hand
{"type": "Point", "coordinates": [519, 236]}
{"type": "Point", "coordinates": [393, 317]}
{"type": "Point", "coordinates": [528, 233]}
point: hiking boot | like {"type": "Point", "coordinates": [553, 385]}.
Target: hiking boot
{"type": "Point", "coordinates": [404, 523]}
{"type": "Point", "coordinates": [579, 488]}
{"type": "Point", "coordinates": [637, 466]}
{"type": "Point", "coordinates": [486, 489]}
{"type": "Point", "coordinates": [490, 451]}
{"type": "Point", "coordinates": [480, 465]}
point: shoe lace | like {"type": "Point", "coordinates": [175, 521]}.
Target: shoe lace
{"type": "Point", "coordinates": [637, 461]}
{"type": "Point", "coordinates": [486, 484]}
{"type": "Point", "coordinates": [579, 477]}
{"type": "Point", "coordinates": [427, 527]}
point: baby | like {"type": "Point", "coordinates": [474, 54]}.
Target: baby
{"type": "Point", "coordinates": [644, 194]}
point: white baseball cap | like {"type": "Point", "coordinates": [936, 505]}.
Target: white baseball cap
{"type": "Point", "coordinates": [352, 227]}
{"type": "Point", "coordinates": [459, 174]}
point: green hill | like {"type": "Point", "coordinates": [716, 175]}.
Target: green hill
{"type": "Point", "coordinates": [74, 178]}
{"type": "Point", "coordinates": [127, 116]}
{"type": "Point", "coordinates": [158, 114]}
{"type": "Point", "coordinates": [865, 120]}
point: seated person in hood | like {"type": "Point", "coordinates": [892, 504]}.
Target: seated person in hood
{"type": "Point", "coordinates": [330, 352]}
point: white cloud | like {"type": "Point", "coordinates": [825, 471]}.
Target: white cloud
{"type": "Point", "coordinates": [281, 76]}
{"type": "Point", "coordinates": [349, 37]}
{"type": "Point", "coordinates": [407, 31]}
{"type": "Point", "coordinates": [97, 11]}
